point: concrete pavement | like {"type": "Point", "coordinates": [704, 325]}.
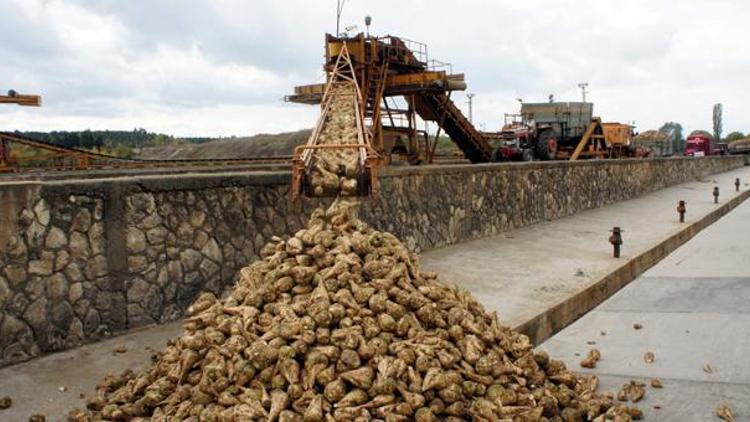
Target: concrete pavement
{"type": "Point", "coordinates": [520, 274]}
{"type": "Point", "coordinates": [694, 307]}
{"type": "Point", "coordinates": [52, 385]}
{"type": "Point", "coordinates": [525, 272]}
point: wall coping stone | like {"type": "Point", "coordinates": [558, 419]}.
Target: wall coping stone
{"type": "Point", "coordinates": [186, 181]}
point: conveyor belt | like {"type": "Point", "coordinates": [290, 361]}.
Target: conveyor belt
{"type": "Point", "coordinates": [437, 107]}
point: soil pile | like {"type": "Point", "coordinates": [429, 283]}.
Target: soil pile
{"type": "Point", "coordinates": [338, 323]}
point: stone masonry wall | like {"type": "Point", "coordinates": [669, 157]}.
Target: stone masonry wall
{"type": "Point", "coordinates": [83, 260]}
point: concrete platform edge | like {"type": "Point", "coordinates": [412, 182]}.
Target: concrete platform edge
{"type": "Point", "coordinates": [554, 319]}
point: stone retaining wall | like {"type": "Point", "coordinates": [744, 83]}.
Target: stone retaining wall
{"type": "Point", "coordinates": [85, 259]}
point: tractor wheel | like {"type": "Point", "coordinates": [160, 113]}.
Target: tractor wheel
{"type": "Point", "coordinates": [527, 155]}
{"type": "Point", "coordinates": [546, 145]}
{"type": "Point", "coordinates": [497, 155]}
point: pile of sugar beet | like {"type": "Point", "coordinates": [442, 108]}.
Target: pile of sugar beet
{"type": "Point", "coordinates": [338, 323]}
{"type": "Point", "coordinates": [335, 170]}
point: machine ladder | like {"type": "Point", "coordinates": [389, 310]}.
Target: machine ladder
{"type": "Point", "coordinates": [374, 99]}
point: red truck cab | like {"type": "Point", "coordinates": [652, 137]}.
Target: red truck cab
{"type": "Point", "coordinates": [700, 144]}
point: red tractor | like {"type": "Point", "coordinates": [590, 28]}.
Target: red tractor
{"type": "Point", "coordinates": [513, 141]}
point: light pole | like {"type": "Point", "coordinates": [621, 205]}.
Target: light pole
{"type": "Point", "coordinates": [339, 10]}
{"type": "Point", "coordinates": [583, 86]}
{"type": "Point", "coordinates": [471, 106]}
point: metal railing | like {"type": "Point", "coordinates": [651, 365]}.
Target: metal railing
{"type": "Point", "coordinates": [404, 46]}
{"type": "Point", "coordinates": [437, 65]}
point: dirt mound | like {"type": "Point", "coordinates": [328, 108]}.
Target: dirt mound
{"type": "Point", "coordinates": [339, 323]}
{"type": "Point", "coordinates": [262, 145]}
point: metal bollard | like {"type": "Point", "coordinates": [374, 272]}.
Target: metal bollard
{"type": "Point", "coordinates": [616, 240]}
{"type": "Point", "coordinates": [681, 210]}
{"type": "Point", "coordinates": [737, 184]}
{"type": "Point", "coordinates": [716, 194]}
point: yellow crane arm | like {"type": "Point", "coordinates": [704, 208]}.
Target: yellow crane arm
{"type": "Point", "coordinates": [21, 99]}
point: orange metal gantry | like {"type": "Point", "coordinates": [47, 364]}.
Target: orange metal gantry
{"type": "Point", "coordinates": [389, 67]}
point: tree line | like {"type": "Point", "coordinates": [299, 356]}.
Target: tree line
{"type": "Point", "coordinates": [116, 142]}
{"type": "Point", "coordinates": [83, 140]}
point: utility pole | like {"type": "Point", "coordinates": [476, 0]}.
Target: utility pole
{"type": "Point", "coordinates": [583, 86]}
{"type": "Point", "coordinates": [471, 108]}
{"type": "Point", "coordinates": [339, 10]}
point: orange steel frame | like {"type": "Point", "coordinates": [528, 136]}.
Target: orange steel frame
{"type": "Point", "coordinates": [6, 161]}
{"type": "Point", "coordinates": [342, 70]}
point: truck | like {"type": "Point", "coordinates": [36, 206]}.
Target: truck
{"type": "Point", "coordinates": [700, 143]}
{"type": "Point", "coordinates": [740, 146]}
{"type": "Point", "coordinates": [549, 131]}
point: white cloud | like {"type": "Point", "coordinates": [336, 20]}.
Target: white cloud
{"type": "Point", "coordinates": [78, 31]}
{"type": "Point", "coordinates": [169, 68]}
{"type": "Point", "coordinates": [215, 68]}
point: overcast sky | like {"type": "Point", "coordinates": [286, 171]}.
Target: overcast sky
{"type": "Point", "coordinates": [221, 67]}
